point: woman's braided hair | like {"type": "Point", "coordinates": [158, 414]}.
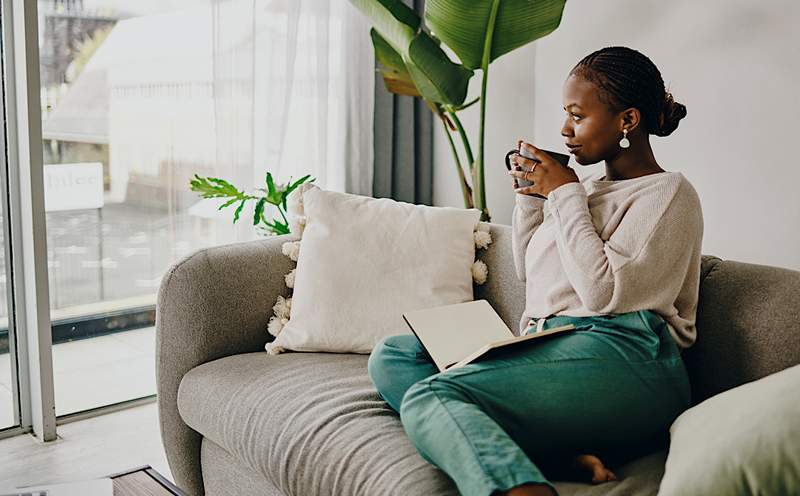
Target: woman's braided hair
{"type": "Point", "coordinates": [627, 78]}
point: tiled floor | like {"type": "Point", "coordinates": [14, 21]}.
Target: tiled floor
{"type": "Point", "coordinates": [93, 372]}
{"type": "Point", "coordinates": [86, 449]}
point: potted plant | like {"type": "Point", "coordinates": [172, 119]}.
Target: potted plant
{"type": "Point", "coordinates": [478, 31]}
{"type": "Point", "coordinates": [275, 194]}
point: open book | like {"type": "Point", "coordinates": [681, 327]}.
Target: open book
{"type": "Point", "coordinates": [455, 335]}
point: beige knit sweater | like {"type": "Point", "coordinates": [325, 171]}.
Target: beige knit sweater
{"type": "Point", "coordinates": [604, 247]}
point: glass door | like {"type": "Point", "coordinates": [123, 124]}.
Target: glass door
{"type": "Point", "coordinates": [127, 120]}
{"type": "Point", "coordinates": [9, 384]}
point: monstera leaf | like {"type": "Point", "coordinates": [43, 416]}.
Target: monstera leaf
{"type": "Point", "coordinates": [410, 56]}
{"type": "Point", "coordinates": [463, 25]}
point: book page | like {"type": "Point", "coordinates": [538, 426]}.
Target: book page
{"type": "Point", "coordinates": [518, 339]}
{"type": "Point", "coordinates": [451, 332]}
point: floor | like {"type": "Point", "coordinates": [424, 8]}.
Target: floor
{"type": "Point", "coordinates": [85, 449]}
{"type": "Point", "coordinates": [93, 372]}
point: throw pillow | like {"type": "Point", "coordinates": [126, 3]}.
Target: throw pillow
{"type": "Point", "coordinates": [743, 441]}
{"type": "Point", "coordinates": [363, 262]}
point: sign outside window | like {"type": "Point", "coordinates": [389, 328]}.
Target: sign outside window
{"type": "Point", "coordinates": [73, 186]}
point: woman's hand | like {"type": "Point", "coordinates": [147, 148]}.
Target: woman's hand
{"type": "Point", "coordinates": [546, 175]}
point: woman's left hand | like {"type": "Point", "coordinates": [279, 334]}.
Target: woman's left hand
{"type": "Point", "coordinates": [546, 175]}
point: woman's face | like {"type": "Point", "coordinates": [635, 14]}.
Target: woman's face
{"type": "Point", "coordinates": [591, 130]}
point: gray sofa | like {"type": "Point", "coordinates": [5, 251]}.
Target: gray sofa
{"type": "Point", "coordinates": [235, 420]}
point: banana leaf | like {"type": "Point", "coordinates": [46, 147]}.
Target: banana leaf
{"type": "Point", "coordinates": [463, 24]}
{"type": "Point", "coordinates": [401, 39]}
{"type": "Point", "coordinates": [395, 74]}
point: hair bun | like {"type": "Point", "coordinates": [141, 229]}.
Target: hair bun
{"type": "Point", "coordinates": [671, 113]}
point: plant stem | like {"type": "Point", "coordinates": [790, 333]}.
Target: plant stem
{"type": "Point", "coordinates": [466, 105]}
{"type": "Point", "coordinates": [280, 210]}
{"type": "Point", "coordinates": [465, 189]}
{"type": "Point", "coordinates": [480, 184]}
{"type": "Point", "coordinates": [464, 139]}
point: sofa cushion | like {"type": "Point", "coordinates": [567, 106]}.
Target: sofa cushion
{"type": "Point", "coordinates": [313, 423]}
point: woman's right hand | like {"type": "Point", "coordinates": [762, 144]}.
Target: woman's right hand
{"type": "Point", "coordinates": [514, 181]}
{"type": "Point", "coordinates": [520, 168]}
{"type": "Point", "coordinates": [515, 167]}
{"type": "Point", "coordinates": [517, 172]}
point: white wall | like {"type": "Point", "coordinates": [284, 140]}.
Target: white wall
{"type": "Point", "coordinates": [735, 64]}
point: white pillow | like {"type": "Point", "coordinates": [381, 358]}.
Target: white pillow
{"type": "Point", "coordinates": [743, 441]}
{"type": "Point", "coordinates": [365, 261]}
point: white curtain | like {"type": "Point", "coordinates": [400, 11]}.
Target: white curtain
{"type": "Point", "coordinates": [293, 88]}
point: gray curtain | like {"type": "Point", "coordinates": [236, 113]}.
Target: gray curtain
{"type": "Point", "coordinates": [403, 143]}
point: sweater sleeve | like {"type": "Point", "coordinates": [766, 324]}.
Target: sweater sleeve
{"type": "Point", "coordinates": [525, 219]}
{"type": "Point", "coordinates": [647, 254]}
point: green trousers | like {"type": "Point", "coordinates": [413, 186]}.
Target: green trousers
{"type": "Point", "coordinates": [611, 387]}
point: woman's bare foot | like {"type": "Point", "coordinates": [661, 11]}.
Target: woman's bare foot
{"type": "Point", "coordinates": [581, 464]}
{"type": "Point", "coordinates": [595, 467]}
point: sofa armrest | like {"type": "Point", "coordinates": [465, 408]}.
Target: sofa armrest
{"type": "Point", "coordinates": [211, 304]}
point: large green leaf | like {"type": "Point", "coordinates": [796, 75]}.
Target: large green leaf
{"type": "Point", "coordinates": [438, 78]}
{"type": "Point", "coordinates": [435, 76]}
{"type": "Point", "coordinates": [395, 74]}
{"type": "Point", "coordinates": [394, 20]}
{"type": "Point", "coordinates": [463, 24]}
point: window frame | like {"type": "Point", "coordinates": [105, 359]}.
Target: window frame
{"type": "Point", "coordinates": [26, 240]}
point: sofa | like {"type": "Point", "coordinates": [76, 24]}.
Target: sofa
{"type": "Point", "coordinates": [235, 420]}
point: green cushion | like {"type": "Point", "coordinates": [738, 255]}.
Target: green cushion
{"type": "Point", "coordinates": [743, 441]}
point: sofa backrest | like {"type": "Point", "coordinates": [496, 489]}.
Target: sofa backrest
{"type": "Point", "coordinates": [748, 316]}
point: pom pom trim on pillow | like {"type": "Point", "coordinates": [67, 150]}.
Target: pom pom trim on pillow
{"type": "Point", "coordinates": [283, 306]}
{"type": "Point", "coordinates": [289, 278]}
{"type": "Point", "coordinates": [483, 238]}
{"type": "Point", "coordinates": [291, 249]}
{"type": "Point", "coordinates": [296, 211]}
{"type": "Point", "coordinates": [479, 272]}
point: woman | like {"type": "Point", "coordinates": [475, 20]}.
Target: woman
{"type": "Point", "coordinates": [617, 256]}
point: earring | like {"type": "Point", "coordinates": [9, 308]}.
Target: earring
{"type": "Point", "coordinates": [624, 143]}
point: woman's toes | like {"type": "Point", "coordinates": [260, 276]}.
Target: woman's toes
{"type": "Point", "coordinates": [602, 474]}
{"type": "Point", "coordinates": [594, 466]}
